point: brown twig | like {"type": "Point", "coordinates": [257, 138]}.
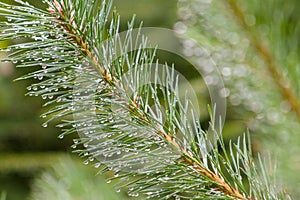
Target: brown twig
{"type": "Point", "coordinates": [283, 84]}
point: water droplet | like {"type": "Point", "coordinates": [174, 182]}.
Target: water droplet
{"type": "Point", "coordinates": [86, 154]}
{"type": "Point", "coordinates": [61, 136]}
{"type": "Point", "coordinates": [86, 162]}
{"type": "Point", "coordinates": [149, 193]}
{"type": "Point", "coordinates": [91, 159]}
{"type": "Point", "coordinates": [97, 165]}
{"type": "Point", "coordinates": [133, 194]}
{"type": "Point", "coordinates": [45, 125]}
{"type": "Point", "coordinates": [40, 77]}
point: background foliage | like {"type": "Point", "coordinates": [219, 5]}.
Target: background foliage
{"type": "Point", "coordinates": [256, 46]}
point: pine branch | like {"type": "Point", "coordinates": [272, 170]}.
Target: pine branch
{"type": "Point", "coordinates": [283, 84]}
{"type": "Point", "coordinates": [106, 98]}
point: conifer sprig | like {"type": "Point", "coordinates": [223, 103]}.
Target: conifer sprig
{"type": "Point", "coordinates": [99, 85]}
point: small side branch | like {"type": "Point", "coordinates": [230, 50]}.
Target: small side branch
{"type": "Point", "coordinates": [69, 25]}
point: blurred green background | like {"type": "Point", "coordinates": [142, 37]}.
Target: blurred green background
{"type": "Point", "coordinates": [35, 164]}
